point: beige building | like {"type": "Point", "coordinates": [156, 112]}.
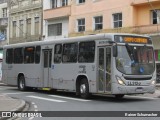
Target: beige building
{"type": "Point", "coordinates": [83, 17]}
{"type": "Point", "coordinates": [25, 20]}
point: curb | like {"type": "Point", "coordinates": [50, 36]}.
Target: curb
{"type": "Point", "coordinates": [19, 108]}
{"type": "Point", "coordinates": [2, 84]}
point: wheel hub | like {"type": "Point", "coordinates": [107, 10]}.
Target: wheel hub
{"type": "Point", "coordinates": [83, 88]}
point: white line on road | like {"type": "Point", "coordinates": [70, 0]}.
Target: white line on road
{"type": "Point", "coordinates": [35, 106]}
{"type": "Point", "coordinates": [142, 97]}
{"type": "Point", "coordinates": [41, 98]}
{"type": "Point", "coordinates": [69, 98]}
{"type": "Point", "coordinates": [33, 103]}
{"type": "Point", "coordinates": [17, 93]}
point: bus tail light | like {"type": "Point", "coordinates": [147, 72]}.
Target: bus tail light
{"type": "Point", "coordinates": [120, 81]}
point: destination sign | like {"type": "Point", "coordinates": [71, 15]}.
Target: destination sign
{"type": "Point", "coordinates": [135, 40]}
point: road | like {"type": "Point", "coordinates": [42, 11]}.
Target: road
{"type": "Point", "coordinates": [65, 101]}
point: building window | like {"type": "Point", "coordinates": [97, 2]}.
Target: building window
{"type": "Point", "coordinates": [3, 34]}
{"type": "Point", "coordinates": [117, 20]}
{"type": "Point", "coordinates": [155, 17]}
{"type": "Point", "coordinates": [21, 28]}
{"type": "Point", "coordinates": [55, 29]}
{"type": "Point", "coordinates": [28, 26]}
{"type": "Point", "coordinates": [81, 1]}
{"type": "Point", "coordinates": [4, 14]}
{"type": "Point", "coordinates": [98, 22]}
{"type": "Point", "coordinates": [36, 19]}
{"type": "Point", "coordinates": [14, 29]}
{"type": "Point", "coordinates": [81, 25]}
{"type": "Point", "coordinates": [64, 2]}
{"type": "Point", "coordinates": [53, 3]}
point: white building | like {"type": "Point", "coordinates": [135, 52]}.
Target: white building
{"type": "Point", "coordinates": [56, 18]}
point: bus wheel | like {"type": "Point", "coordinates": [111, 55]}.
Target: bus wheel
{"type": "Point", "coordinates": [84, 89]}
{"type": "Point", "coordinates": [119, 96]}
{"type": "Point", "coordinates": [21, 83]}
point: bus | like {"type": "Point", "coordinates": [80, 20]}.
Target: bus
{"type": "Point", "coordinates": [110, 63]}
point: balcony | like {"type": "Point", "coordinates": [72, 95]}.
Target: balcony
{"type": "Point", "coordinates": [26, 7]}
{"type": "Point", "coordinates": [24, 39]}
{"type": "Point", "coordinates": [146, 29]}
{"type": "Point", "coordinates": [57, 12]}
{"type": "Point", "coordinates": [143, 2]}
{"type": "Point", "coordinates": [3, 22]}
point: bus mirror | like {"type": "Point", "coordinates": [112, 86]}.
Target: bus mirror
{"type": "Point", "coordinates": [115, 51]}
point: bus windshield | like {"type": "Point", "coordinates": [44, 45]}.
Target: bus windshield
{"type": "Point", "coordinates": [135, 60]}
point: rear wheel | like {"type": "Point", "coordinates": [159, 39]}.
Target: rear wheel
{"type": "Point", "coordinates": [21, 83]}
{"type": "Point", "coordinates": [84, 89]}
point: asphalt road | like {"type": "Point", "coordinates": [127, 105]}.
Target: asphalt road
{"type": "Point", "coordinates": [65, 101]}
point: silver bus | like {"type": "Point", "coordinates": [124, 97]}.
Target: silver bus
{"type": "Point", "coordinates": [111, 63]}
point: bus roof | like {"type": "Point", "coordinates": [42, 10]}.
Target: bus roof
{"type": "Point", "coordinates": [71, 39]}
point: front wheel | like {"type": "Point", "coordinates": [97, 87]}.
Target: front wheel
{"type": "Point", "coordinates": [84, 89]}
{"type": "Point", "coordinates": [21, 83]}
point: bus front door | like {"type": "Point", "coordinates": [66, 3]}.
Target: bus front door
{"type": "Point", "coordinates": [104, 69]}
{"type": "Point", "coordinates": [47, 57]}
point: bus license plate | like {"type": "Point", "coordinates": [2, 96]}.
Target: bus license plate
{"type": "Point", "coordinates": [139, 89]}
{"type": "Point", "coordinates": [133, 83]}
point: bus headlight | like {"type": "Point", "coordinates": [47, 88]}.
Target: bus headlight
{"type": "Point", "coordinates": [153, 82]}
{"type": "Point", "coordinates": [120, 81]}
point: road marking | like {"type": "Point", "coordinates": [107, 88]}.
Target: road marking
{"type": "Point", "coordinates": [41, 98]}
{"type": "Point", "coordinates": [69, 98]}
{"type": "Point", "coordinates": [33, 103]}
{"type": "Point", "coordinates": [35, 106]}
{"type": "Point", "coordinates": [142, 97]}
{"type": "Point", "coordinates": [17, 93]}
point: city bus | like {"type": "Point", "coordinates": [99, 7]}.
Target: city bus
{"type": "Point", "coordinates": [103, 64]}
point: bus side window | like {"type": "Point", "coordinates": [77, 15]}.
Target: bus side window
{"type": "Point", "coordinates": [70, 52]}
{"type": "Point", "coordinates": [37, 54]}
{"type": "Point", "coordinates": [58, 53]}
{"type": "Point", "coordinates": [29, 55]}
{"type": "Point", "coordinates": [86, 52]}
{"type": "Point", "coordinates": [18, 55]}
{"type": "Point", "coordinates": [9, 56]}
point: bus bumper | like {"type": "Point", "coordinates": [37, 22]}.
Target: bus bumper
{"type": "Point", "coordinates": [119, 89]}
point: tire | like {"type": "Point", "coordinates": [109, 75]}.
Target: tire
{"type": "Point", "coordinates": [119, 96]}
{"type": "Point", "coordinates": [21, 83]}
{"type": "Point", "coordinates": [84, 89]}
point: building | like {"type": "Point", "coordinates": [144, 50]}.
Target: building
{"type": "Point", "coordinates": [25, 20]}
{"type": "Point", "coordinates": [3, 23]}
{"type": "Point", "coordinates": [56, 16]}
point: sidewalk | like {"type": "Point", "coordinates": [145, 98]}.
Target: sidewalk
{"type": "Point", "coordinates": [8, 104]}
